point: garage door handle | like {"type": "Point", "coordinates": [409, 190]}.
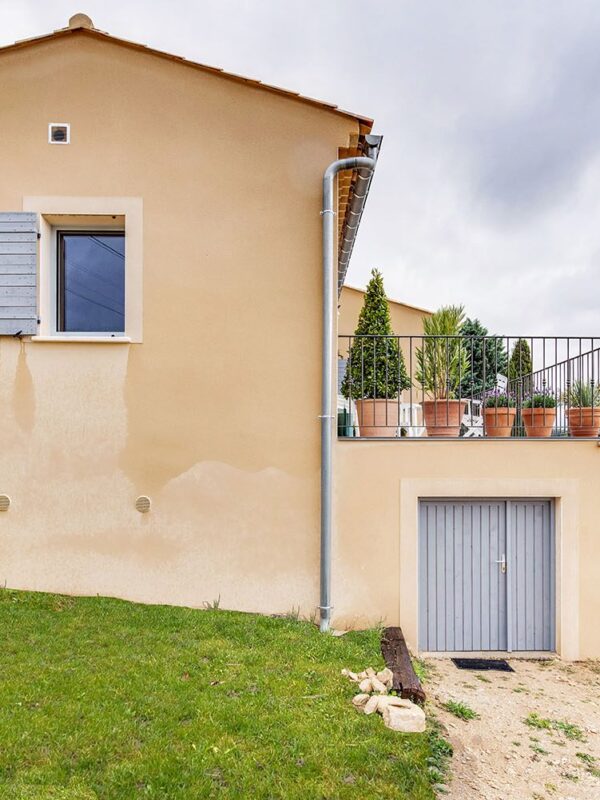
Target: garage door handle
{"type": "Point", "coordinates": [502, 561]}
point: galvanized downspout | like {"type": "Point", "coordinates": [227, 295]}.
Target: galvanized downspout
{"type": "Point", "coordinates": [365, 167]}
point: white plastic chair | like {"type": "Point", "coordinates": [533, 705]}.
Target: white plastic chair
{"type": "Point", "coordinates": [501, 382]}
{"type": "Point", "coordinates": [561, 422]}
{"type": "Point", "coordinates": [411, 419]}
{"type": "Point", "coordinates": [473, 418]}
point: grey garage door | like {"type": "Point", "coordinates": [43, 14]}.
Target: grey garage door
{"type": "Point", "coordinates": [486, 575]}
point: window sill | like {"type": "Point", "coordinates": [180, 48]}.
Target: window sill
{"type": "Point", "coordinates": [84, 339]}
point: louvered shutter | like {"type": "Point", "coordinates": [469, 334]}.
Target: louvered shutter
{"type": "Point", "coordinates": [18, 273]}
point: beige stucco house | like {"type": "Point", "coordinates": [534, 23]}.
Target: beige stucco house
{"type": "Point", "coordinates": [161, 306]}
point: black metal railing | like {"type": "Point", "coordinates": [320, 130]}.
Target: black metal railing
{"type": "Point", "coordinates": [468, 387]}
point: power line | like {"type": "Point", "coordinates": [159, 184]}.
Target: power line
{"type": "Point", "coordinates": [83, 287]}
{"type": "Point", "coordinates": [93, 274]}
{"type": "Point", "coordinates": [107, 246]}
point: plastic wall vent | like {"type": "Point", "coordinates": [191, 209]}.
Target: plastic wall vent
{"type": "Point", "coordinates": [4, 502]}
{"type": "Point", "coordinates": [59, 133]}
{"type": "Point", "coordinates": [142, 504]}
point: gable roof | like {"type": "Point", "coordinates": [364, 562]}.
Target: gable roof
{"type": "Point", "coordinates": [80, 24]}
{"type": "Point", "coordinates": [360, 144]}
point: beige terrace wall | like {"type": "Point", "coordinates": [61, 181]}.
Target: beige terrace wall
{"type": "Point", "coordinates": [206, 416]}
{"type": "Point", "coordinates": [407, 320]}
{"type": "Point", "coordinates": [376, 495]}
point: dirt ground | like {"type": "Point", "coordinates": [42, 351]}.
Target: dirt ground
{"type": "Point", "coordinates": [500, 757]}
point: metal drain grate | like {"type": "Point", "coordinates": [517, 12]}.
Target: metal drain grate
{"type": "Point", "coordinates": [483, 663]}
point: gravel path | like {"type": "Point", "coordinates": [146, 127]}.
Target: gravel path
{"type": "Point", "coordinates": [499, 756]}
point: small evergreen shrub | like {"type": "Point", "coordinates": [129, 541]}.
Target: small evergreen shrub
{"type": "Point", "coordinates": [376, 367]}
{"type": "Point", "coordinates": [520, 368]}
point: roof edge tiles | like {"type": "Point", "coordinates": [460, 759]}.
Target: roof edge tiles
{"type": "Point", "coordinates": [81, 28]}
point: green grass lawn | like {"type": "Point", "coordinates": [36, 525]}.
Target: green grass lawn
{"type": "Point", "coordinates": [100, 698]}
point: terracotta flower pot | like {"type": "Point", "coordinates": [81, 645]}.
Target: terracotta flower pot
{"type": "Point", "coordinates": [539, 422]}
{"type": "Point", "coordinates": [584, 421]}
{"type": "Point", "coordinates": [377, 417]}
{"type": "Point", "coordinates": [499, 421]}
{"type": "Point", "coordinates": [443, 417]}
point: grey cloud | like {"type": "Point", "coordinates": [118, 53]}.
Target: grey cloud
{"type": "Point", "coordinates": [529, 160]}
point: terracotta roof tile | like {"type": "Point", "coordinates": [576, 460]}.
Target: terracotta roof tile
{"type": "Point", "coordinates": [365, 122]}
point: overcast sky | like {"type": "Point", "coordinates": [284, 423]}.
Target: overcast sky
{"type": "Point", "coordinates": [487, 192]}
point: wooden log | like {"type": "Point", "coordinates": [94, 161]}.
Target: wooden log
{"type": "Point", "coordinates": [397, 658]}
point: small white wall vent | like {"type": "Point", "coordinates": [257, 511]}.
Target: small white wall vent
{"type": "Point", "coordinates": [4, 502]}
{"type": "Point", "coordinates": [59, 133]}
{"type": "Point", "coordinates": [142, 504]}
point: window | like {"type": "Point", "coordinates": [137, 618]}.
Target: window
{"type": "Point", "coordinates": [90, 281]}
{"type": "Point", "coordinates": [90, 269]}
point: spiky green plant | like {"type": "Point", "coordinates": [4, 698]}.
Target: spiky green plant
{"type": "Point", "coordinates": [443, 358]}
{"type": "Point", "coordinates": [582, 395]}
{"type": "Point", "coordinates": [375, 366]}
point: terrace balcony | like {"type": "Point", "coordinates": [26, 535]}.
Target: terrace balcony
{"type": "Point", "coordinates": [468, 387]}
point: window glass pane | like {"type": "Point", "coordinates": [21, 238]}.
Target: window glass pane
{"type": "Point", "coordinates": [92, 282]}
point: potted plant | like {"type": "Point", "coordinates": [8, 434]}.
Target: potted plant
{"type": "Point", "coordinates": [583, 409]}
{"type": "Point", "coordinates": [538, 415]}
{"type": "Point", "coordinates": [499, 414]}
{"type": "Point", "coordinates": [375, 372]}
{"type": "Point", "coordinates": [442, 364]}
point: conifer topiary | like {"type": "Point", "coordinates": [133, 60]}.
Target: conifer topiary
{"type": "Point", "coordinates": [520, 368]}
{"type": "Point", "coordinates": [375, 367]}
{"type": "Point", "coordinates": [520, 382]}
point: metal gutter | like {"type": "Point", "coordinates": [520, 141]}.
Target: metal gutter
{"type": "Point", "coordinates": [355, 209]}
{"type": "Point", "coordinates": [365, 167]}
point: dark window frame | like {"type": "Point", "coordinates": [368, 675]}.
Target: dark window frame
{"type": "Point", "coordinates": [60, 271]}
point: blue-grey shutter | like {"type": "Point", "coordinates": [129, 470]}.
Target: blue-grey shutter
{"type": "Point", "coordinates": [18, 272]}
